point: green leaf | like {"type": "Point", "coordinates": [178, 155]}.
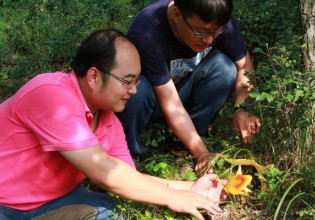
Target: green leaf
{"type": "Point", "coordinates": [269, 98]}
{"type": "Point", "coordinates": [298, 93]}
{"type": "Point", "coordinates": [190, 176]}
{"type": "Point", "coordinates": [289, 97]}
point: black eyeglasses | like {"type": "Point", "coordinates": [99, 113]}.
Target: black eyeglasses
{"type": "Point", "coordinates": [134, 82]}
{"type": "Point", "coordinates": [214, 34]}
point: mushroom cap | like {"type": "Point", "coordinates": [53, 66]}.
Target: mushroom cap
{"type": "Point", "coordinates": [258, 167]}
{"type": "Point", "coordinates": [237, 184]}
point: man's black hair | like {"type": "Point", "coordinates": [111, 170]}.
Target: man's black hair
{"type": "Point", "coordinates": [217, 11]}
{"type": "Point", "coordinates": [97, 50]}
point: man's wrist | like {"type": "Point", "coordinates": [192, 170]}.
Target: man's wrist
{"type": "Point", "coordinates": [202, 155]}
{"type": "Point", "coordinates": [239, 107]}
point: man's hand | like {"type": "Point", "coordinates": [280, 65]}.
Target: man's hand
{"type": "Point", "coordinates": [210, 185]}
{"type": "Point", "coordinates": [203, 163]}
{"type": "Point", "coordinates": [187, 201]}
{"type": "Point", "coordinates": [246, 125]}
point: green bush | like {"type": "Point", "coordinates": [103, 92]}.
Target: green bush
{"type": "Point", "coordinates": [41, 36]}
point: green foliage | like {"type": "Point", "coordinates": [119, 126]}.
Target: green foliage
{"type": "Point", "coordinates": [283, 98]}
{"type": "Point", "coordinates": [168, 166]}
{"type": "Point", "coordinates": [40, 36]}
{"type": "Point", "coordinates": [308, 212]}
{"type": "Point", "coordinates": [264, 23]}
{"type": "Point", "coordinates": [155, 135]}
{"type": "Point", "coordinates": [158, 169]}
{"type": "Point", "coordinates": [272, 182]}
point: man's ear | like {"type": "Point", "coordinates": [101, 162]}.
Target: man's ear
{"type": "Point", "coordinates": [93, 77]}
{"type": "Point", "coordinates": [177, 14]}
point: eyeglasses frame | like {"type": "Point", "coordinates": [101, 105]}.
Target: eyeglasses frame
{"type": "Point", "coordinates": [134, 82]}
{"type": "Point", "coordinates": [214, 34]}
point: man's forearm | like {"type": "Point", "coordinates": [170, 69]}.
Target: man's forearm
{"type": "Point", "coordinates": [185, 130]}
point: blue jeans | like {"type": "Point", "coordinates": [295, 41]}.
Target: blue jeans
{"type": "Point", "coordinates": [101, 204]}
{"type": "Point", "coordinates": [203, 92]}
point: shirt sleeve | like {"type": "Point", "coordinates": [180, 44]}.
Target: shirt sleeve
{"type": "Point", "coordinates": [153, 56]}
{"type": "Point", "coordinates": [231, 42]}
{"type": "Point", "coordinates": [112, 138]}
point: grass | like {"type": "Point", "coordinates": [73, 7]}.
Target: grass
{"type": "Point", "coordinates": [40, 36]}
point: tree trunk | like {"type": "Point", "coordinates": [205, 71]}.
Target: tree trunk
{"type": "Point", "coordinates": [307, 8]}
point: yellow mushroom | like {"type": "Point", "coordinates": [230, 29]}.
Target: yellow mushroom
{"type": "Point", "coordinates": [237, 185]}
{"type": "Point", "coordinates": [260, 169]}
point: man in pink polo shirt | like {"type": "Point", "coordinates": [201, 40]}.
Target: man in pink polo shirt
{"type": "Point", "coordinates": [60, 128]}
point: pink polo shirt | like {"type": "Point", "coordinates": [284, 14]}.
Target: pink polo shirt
{"type": "Point", "coordinates": [49, 114]}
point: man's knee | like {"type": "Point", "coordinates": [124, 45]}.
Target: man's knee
{"type": "Point", "coordinates": [70, 212]}
{"type": "Point", "coordinates": [224, 63]}
{"type": "Point", "coordinates": [3, 217]}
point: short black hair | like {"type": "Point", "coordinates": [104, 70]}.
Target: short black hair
{"type": "Point", "coordinates": [97, 50]}
{"type": "Point", "coordinates": [218, 11]}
